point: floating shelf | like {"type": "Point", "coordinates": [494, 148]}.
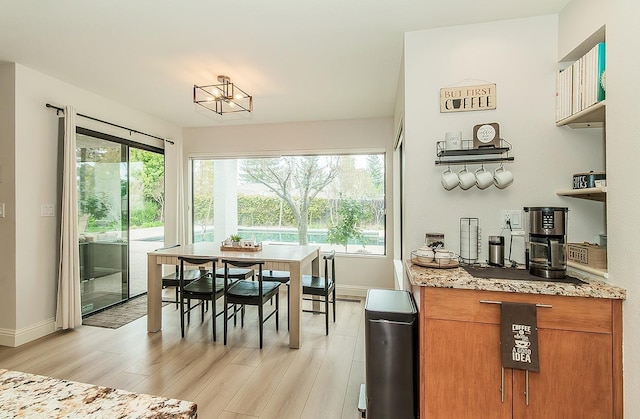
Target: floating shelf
{"type": "Point", "coordinates": [602, 273]}
{"type": "Point", "coordinates": [485, 154]}
{"type": "Point", "coordinates": [593, 194]}
{"type": "Point", "coordinates": [592, 117]}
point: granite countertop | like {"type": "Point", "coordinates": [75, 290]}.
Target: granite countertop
{"type": "Point", "coordinates": [24, 395]}
{"type": "Point", "coordinates": [461, 279]}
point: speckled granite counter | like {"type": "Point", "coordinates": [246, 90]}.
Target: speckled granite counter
{"type": "Point", "coordinates": [461, 279]}
{"type": "Point", "coordinates": [24, 395]}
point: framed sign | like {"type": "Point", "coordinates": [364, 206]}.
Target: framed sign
{"type": "Point", "coordinates": [479, 97]}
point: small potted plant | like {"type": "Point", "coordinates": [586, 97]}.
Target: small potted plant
{"type": "Point", "coordinates": [235, 239]}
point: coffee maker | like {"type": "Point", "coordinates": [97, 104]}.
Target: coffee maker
{"type": "Point", "coordinates": [545, 239]}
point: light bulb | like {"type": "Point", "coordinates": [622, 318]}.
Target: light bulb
{"type": "Point", "coordinates": [216, 92]}
{"type": "Point", "coordinates": [239, 96]}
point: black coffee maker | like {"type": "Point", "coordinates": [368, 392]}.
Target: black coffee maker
{"type": "Point", "coordinates": [545, 241]}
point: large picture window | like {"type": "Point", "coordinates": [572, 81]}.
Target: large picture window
{"type": "Point", "coordinates": [336, 201]}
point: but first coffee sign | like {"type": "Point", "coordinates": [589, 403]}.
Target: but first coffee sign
{"type": "Point", "coordinates": [468, 98]}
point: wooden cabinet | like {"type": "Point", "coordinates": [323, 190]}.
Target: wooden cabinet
{"type": "Point", "coordinates": [580, 348]}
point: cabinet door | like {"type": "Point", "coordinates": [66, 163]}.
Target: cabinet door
{"type": "Point", "coordinates": [461, 372]}
{"type": "Point", "coordinates": [575, 378]}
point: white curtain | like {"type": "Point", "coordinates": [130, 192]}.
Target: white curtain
{"type": "Point", "coordinates": [68, 309]}
{"type": "Point", "coordinates": [181, 219]}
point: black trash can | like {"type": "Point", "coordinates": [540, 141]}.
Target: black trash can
{"type": "Point", "coordinates": [391, 350]}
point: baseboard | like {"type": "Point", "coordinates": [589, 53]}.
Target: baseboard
{"type": "Point", "coordinates": [13, 337]}
{"type": "Point", "coordinates": [351, 290]}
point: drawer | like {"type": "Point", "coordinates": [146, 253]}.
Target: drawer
{"type": "Point", "coordinates": [566, 313]}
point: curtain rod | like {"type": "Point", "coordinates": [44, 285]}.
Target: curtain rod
{"type": "Point", "coordinates": [58, 109]}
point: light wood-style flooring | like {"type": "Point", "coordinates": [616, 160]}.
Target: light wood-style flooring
{"type": "Point", "coordinates": [239, 381]}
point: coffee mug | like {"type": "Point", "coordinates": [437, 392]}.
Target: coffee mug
{"type": "Point", "coordinates": [484, 179]}
{"type": "Point", "coordinates": [453, 140]}
{"type": "Point", "coordinates": [502, 177]}
{"type": "Point", "coordinates": [444, 256]}
{"type": "Point", "coordinates": [467, 179]}
{"type": "Point", "coordinates": [449, 179]}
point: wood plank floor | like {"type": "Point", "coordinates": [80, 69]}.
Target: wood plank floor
{"type": "Point", "coordinates": [239, 381]}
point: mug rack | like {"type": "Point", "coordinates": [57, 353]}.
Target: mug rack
{"type": "Point", "coordinates": [461, 156]}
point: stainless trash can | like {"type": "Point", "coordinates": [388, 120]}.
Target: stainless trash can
{"type": "Point", "coordinates": [391, 355]}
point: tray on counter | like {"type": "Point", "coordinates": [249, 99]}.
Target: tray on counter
{"type": "Point", "coordinates": [420, 261]}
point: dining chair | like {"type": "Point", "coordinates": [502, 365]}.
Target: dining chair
{"type": "Point", "coordinates": [235, 273]}
{"type": "Point", "coordinates": [173, 279]}
{"type": "Point", "coordinates": [206, 288]}
{"type": "Point", "coordinates": [324, 287]}
{"type": "Point", "coordinates": [244, 292]}
{"type": "Point", "coordinates": [283, 277]}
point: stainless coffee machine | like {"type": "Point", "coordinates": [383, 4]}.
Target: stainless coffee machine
{"type": "Point", "coordinates": [545, 239]}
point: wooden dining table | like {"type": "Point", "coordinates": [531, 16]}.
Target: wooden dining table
{"type": "Point", "coordinates": [293, 258]}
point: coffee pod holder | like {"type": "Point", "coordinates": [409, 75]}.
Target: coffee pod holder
{"type": "Point", "coordinates": [469, 240]}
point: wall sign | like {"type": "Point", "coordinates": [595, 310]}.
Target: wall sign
{"type": "Point", "coordinates": [479, 97]}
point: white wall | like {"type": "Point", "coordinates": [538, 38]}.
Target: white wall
{"type": "Point", "coordinates": [7, 197]}
{"type": "Point", "coordinates": [355, 273]}
{"type": "Point", "coordinates": [520, 57]}
{"type": "Point", "coordinates": [579, 19]}
{"type": "Point", "coordinates": [36, 148]}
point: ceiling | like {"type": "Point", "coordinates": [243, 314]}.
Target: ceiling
{"type": "Point", "coordinates": [302, 60]}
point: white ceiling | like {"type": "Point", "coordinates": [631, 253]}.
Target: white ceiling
{"type": "Point", "coordinates": [301, 60]}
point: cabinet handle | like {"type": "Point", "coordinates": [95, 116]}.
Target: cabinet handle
{"type": "Point", "coordinates": [526, 387]}
{"type": "Point", "coordinates": [500, 302]}
{"type": "Point", "coordinates": [502, 387]}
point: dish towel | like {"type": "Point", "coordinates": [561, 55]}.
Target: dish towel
{"type": "Point", "coordinates": [519, 336]}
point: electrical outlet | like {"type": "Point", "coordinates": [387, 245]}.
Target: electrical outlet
{"type": "Point", "coordinates": [514, 217]}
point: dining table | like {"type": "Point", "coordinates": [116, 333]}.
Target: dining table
{"type": "Point", "coordinates": [297, 259]}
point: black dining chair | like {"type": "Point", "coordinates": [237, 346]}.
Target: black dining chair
{"type": "Point", "coordinates": [324, 287]}
{"type": "Point", "coordinates": [244, 292]}
{"type": "Point", "coordinates": [283, 277]}
{"type": "Point", "coordinates": [235, 273]}
{"type": "Point", "coordinates": [173, 279]}
{"type": "Point", "coordinates": [206, 288]}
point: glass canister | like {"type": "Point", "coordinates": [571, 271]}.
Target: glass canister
{"type": "Point", "coordinates": [434, 240]}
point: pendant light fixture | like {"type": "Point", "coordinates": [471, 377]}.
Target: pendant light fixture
{"type": "Point", "coordinates": [222, 98]}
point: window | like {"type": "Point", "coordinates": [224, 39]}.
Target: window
{"type": "Point", "coordinates": [336, 201]}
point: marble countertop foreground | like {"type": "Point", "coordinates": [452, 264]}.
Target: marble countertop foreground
{"type": "Point", "coordinates": [24, 395]}
{"type": "Point", "coordinates": [461, 279]}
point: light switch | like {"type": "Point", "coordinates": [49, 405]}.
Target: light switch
{"type": "Point", "coordinates": [46, 210]}
{"type": "Point", "coordinates": [2, 210]}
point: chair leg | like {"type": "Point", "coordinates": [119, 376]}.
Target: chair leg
{"type": "Point", "coordinates": [288, 309]}
{"type": "Point", "coordinates": [213, 317]}
{"type": "Point", "coordinates": [182, 317]}
{"type": "Point", "coordinates": [334, 305]}
{"type": "Point", "coordinates": [277, 310]}
{"type": "Point", "coordinates": [225, 320]}
{"type": "Point", "coordinates": [260, 316]}
{"type": "Point", "coordinates": [326, 314]}
{"type": "Point", "coordinates": [177, 298]}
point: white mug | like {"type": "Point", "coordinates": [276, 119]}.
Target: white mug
{"type": "Point", "coordinates": [453, 140]}
{"type": "Point", "coordinates": [444, 256]}
{"type": "Point", "coordinates": [484, 179]}
{"type": "Point", "coordinates": [449, 179]}
{"type": "Point", "coordinates": [502, 177]}
{"type": "Point", "coordinates": [467, 179]}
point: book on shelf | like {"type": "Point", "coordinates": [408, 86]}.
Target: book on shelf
{"type": "Point", "coordinates": [579, 85]}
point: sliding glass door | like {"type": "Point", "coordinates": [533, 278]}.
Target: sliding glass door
{"type": "Point", "coordinates": [120, 196]}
